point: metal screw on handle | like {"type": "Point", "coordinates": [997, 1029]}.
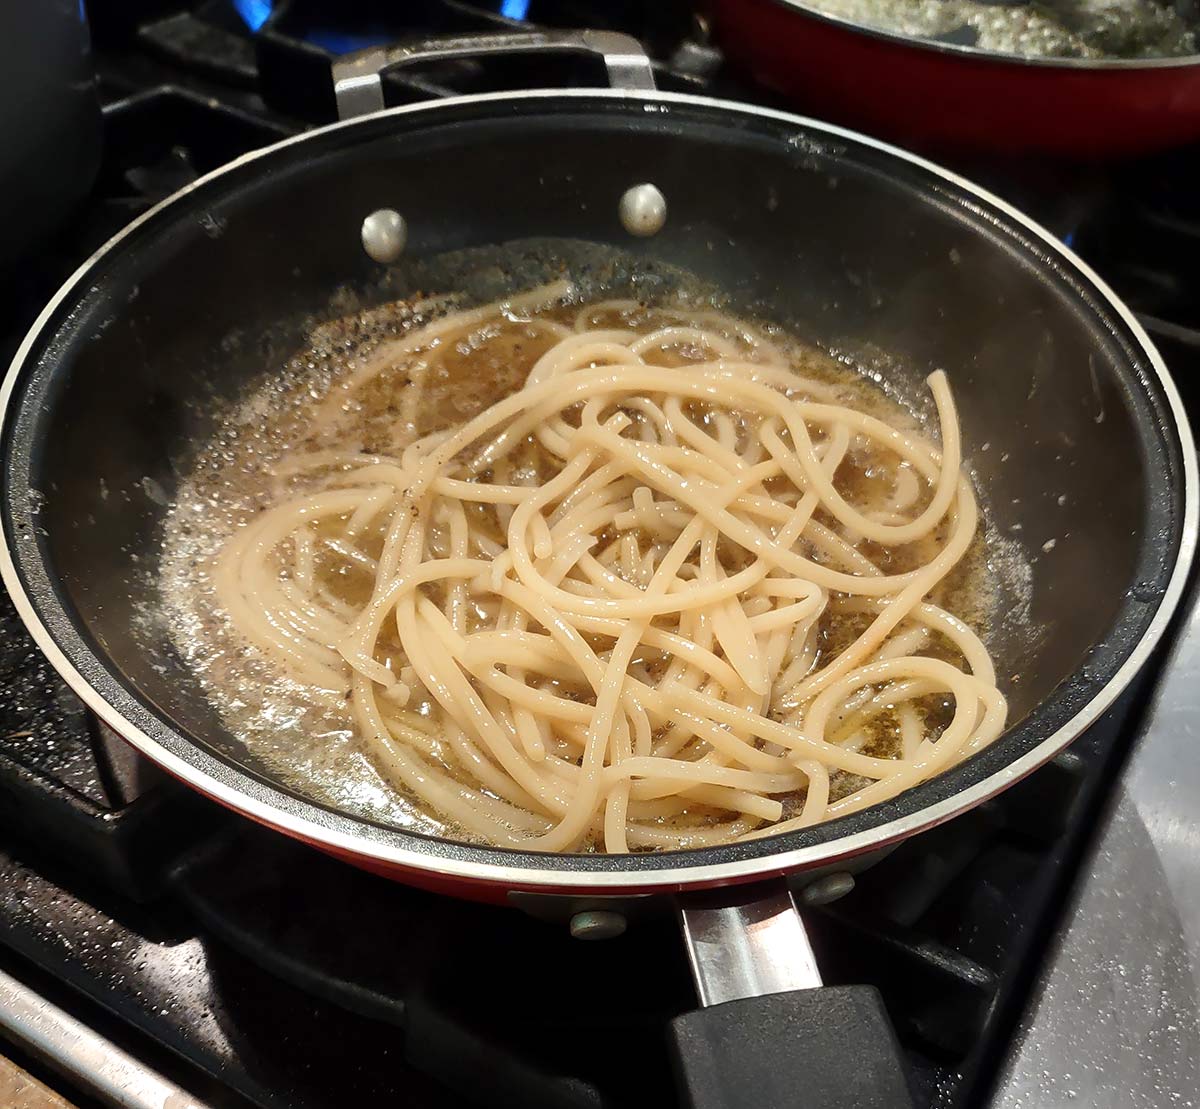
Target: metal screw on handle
{"type": "Point", "coordinates": [357, 77]}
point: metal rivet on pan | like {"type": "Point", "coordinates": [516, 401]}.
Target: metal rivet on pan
{"type": "Point", "coordinates": [643, 210]}
{"type": "Point", "coordinates": [598, 924]}
{"type": "Point", "coordinates": [828, 889]}
{"type": "Point", "coordinates": [384, 234]}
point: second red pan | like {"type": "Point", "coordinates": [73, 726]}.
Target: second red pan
{"type": "Point", "coordinates": [950, 96]}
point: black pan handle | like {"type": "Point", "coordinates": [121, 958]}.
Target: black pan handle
{"type": "Point", "coordinates": [769, 1035]}
{"type": "Point", "coordinates": [357, 77]}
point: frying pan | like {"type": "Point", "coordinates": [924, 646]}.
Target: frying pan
{"type": "Point", "coordinates": [951, 95]}
{"type": "Point", "coordinates": [1089, 476]}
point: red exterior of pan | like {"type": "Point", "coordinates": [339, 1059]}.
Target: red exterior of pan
{"type": "Point", "coordinates": [491, 890]}
{"type": "Point", "coordinates": [939, 96]}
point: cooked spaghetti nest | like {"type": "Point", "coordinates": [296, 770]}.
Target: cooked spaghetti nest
{"type": "Point", "coordinates": [631, 605]}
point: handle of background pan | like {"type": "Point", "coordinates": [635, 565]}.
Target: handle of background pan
{"type": "Point", "coordinates": [358, 77]}
{"type": "Point", "coordinates": [769, 1035]}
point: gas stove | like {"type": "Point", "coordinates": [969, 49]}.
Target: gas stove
{"type": "Point", "coordinates": [1042, 949]}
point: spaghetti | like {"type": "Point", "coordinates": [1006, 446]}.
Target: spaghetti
{"type": "Point", "coordinates": [666, 591]}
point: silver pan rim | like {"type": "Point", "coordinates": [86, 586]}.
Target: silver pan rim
{"type": "Point", "coordinates": [447, 861]}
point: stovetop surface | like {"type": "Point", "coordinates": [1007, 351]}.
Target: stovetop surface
{"type": "Point", "coordinates": [256, 971]}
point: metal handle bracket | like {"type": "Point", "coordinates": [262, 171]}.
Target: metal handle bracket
{"type": "Point", "coordinates": [740, 948]}
{"type": "Point", "coordinates": [358, 77]}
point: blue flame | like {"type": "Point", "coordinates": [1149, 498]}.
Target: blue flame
{"type": "Point", "coordinates": [254, 13]}
{"type": "Point", "coordinates": [1069, 238]}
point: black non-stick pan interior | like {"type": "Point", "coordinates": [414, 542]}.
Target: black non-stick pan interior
{"type": "Point", "coordinates": [1068, 431]}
